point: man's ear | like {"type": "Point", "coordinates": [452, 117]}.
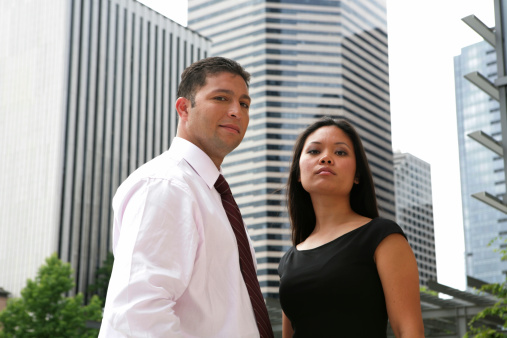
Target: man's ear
{"type": "Point", "coordinates": [182, 106]}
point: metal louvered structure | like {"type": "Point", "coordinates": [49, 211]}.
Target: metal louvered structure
{"type": "Point", "coordinates": [448, 317]}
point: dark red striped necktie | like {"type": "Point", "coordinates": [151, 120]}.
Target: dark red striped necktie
{"type": "Point", "coordinates": [245, 258]}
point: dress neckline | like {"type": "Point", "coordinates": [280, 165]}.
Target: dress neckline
{"type": "Point", "coordinates": [336, 239]}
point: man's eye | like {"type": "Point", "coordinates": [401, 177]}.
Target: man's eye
{"type": "Point", "coordinates": [244, 105]}
{"type": "Point", "coordinates": [219, 98]}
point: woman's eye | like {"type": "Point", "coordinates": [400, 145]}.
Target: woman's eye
{"type": "Point", "coordinates": [341, 153]}
{"type": "Point", "coordinates": [313, 151]}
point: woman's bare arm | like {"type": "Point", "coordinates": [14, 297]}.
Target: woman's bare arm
{"type": "Point", "coordinates": [397, 268]}
{"type": "Point", "coordinates": [287, 330]}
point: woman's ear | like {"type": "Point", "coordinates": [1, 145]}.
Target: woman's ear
{"type": "Point", "coordinates": [182, 106]}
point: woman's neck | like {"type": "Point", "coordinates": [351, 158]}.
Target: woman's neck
{"type": "Point", "coordinates": [334, 218]}
{"type": "Point", "coordinates": [332, 211]}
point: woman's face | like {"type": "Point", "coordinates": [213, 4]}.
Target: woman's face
{"type": "Point", "coordinates": [328, 162]}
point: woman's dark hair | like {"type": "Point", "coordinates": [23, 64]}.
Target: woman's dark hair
{"type": "Point", "coordinates": [362, 196]}
{"type": "Point", "coordinates": [195, 75]}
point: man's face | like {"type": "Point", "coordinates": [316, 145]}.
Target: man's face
{"type": "Point", "coordinates": [218, 120]}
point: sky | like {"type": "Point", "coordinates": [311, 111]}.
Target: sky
{"type": "Point", "coordinates": [424, 37]}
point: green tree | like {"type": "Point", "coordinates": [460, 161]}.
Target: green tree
{"type": "Point", "coordinates": [424, 289]}
{"type": "Point", "coordinates": [498, 310]}
{"type": "Point", "coordinates": [44, 311]}
{"type": "Point", "coordinates": [102, 276]}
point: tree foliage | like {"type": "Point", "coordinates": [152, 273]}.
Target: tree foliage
{"type": "Point", "coordinates": [102, 277]}
{"type": "Point", "coordinates": [497, 310]}
{"type": "Point", "coordinates": [44, 311]}
{"type": "Point", "coordinates": [424, 289]}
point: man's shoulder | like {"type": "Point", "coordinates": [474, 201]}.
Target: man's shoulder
{"type": "Point", "coordinates": [163, 169]}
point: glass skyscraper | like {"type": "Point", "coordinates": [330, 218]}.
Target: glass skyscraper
{"type": "Point", "coordinates": [480, 168]}
{"type": "Point", "coordinates": [308, 59]}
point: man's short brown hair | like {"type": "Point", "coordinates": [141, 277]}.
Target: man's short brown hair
{"type": "Point", "coordinates": [194, 76]}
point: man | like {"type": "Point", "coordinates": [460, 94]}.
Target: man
{"type": "Point", "coordinates": [177, 270]}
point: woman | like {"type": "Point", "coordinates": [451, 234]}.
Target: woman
{"type": "Point", "coordinates": [349, 270]}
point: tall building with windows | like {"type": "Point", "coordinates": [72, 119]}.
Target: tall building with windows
{"type": "Point", "coordinates": [480, 168]}
{"type": "Point", "coordinates": [414, 211]}
{"type": "Point", "coordinates": [87, 95]}
{"type": "Point", "coordinates": [308, 59]}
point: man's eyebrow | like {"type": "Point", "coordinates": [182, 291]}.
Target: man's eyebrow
{"type": "Point", "coordinates": [230, 92]}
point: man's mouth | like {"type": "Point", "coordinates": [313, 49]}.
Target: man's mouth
{"type": "Point", "coordinates": [231, 127]}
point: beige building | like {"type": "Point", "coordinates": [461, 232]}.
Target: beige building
{"type": "Point", "coordinates": [307, 59]}
{"type": "Point", "coordinates": [87, 91]}
{"type": "Point", "coordinates": [414, 211]}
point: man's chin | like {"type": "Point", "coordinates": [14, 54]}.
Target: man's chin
{"type": "Point", "coordinates": [228, 147]}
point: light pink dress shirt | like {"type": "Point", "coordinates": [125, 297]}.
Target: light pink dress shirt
{"type": "Point", "coordinates": [176, 271]}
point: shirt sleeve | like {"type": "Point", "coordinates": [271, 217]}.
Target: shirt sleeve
{"type": "Point", "coordinates": [154, 258]}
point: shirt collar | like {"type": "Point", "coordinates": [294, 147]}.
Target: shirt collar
{"type": "Point", "coordinates": [198, 160]}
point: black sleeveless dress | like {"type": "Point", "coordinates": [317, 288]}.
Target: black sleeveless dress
{"type": "Point", "coordinates": [334, 290]}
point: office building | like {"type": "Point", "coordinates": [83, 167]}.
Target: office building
{"type": "Point", "coordinates": [414, 211]}
{"type": "Point", "coordinates": [480, 168]}
{"type": "Point", "coordinates": [87, 95]}
{"type": "Point", "coordinates": [308, 59]}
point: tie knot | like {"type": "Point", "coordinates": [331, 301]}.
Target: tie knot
{"type": "Point", "coordinates": [222, 186]}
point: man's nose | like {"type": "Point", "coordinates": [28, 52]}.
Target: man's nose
{"type": "Point", "coordinates": [235, 110]}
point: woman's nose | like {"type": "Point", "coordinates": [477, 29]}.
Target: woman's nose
{"type": "Point", "coordinates": [325, 159]}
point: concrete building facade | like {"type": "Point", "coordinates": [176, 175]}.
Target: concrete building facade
{"type": "Point", "coordinates": [87, 95]}
{"type": "Point", "coordinates": [308, 59]}
{"type": "Point", "coordinates": [414, 211]}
